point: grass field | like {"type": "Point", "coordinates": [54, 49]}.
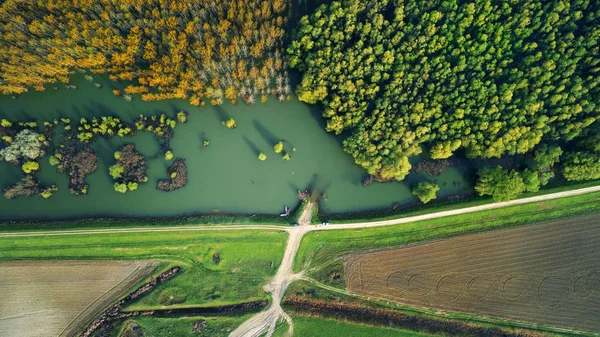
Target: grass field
{"type": "Point", "coordinates": [319, 248]}
{"type": "Point", "coordinates": [57, 298]}
{"type": "Point", "coordinates": [319, 327]}
{"type": "Point", "coordinates": [546, 273]}
{"type": "Point", "coordinates": [246, 260]}
{"type": "Point", "coordinates": [182, 327]}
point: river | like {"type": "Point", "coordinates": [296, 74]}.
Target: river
{"type": "Point", "coordinates": [225, 177]}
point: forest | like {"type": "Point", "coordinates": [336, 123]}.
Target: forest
{"type": "Point", "coordinates": [203, 51]}
{"type": "Point", "coordinates": [483, 79]}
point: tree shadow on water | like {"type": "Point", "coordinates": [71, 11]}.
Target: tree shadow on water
{"type": "Point", "coordinates": [269, 137]}
{"type": "Point", "coordinates": [252, 146]}
{"type": "Point", "coordinates": [222, 115]}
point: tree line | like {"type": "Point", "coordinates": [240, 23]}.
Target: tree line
{"type": "Point", "coordinates": [201, 50]}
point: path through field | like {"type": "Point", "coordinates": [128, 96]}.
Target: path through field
{"type": "Point", "coordinates": [266, 321]}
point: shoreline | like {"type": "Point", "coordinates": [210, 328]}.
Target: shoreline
{"type": "Point", "coordinates": [403, 211]}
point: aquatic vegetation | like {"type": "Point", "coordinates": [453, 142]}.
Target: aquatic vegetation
{"type": "Point", "coordinates": [106, 126]}
{"type": "Point", "coordinates": [129, 170]}
{"type": "Point", "coordinates": [26, 144]}
{"type": "Point", "coordinates": [77, 165]}
{"type": "Point", "coordinates": [230, 123]}
{"type": "Point", "coordinates": [29, 186]}
{"type": "Point", "coordinates": [178, 177]}
{"type": "Point", "coordinates": [278, 147]}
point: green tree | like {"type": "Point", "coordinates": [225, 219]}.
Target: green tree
{"type": "Point", "coordinates": [581, 166]}
{"type": "Point", "coordinates": [500, 184]}
{"type": "Point", "coordinates": [546, 157]}
{"type": "Point", "coordinates": [262, 156]}
{"type": "Point", "coordinates": [30, 166]}
{"type": "Point", "coordinates": [531, 179]}
{"type": "Point", "coordinates": [120, 187]}
{"type": "Point", "coordinates": [425, 191]}
{"type": "Point", "coordinates": [168, 155]}
{"type": "Point", "coordinates": [116, 171]}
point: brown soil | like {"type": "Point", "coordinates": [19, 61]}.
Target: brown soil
{"type": "Point", "coordinates": [57, 298]}
{"type": "Point", "coordinates": [546, 273]}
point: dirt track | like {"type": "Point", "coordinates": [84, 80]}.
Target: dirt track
{"type": "Point", "coordinates": [266, 321]}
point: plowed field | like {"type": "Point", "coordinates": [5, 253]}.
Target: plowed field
{"type": "Point", "coordinates": [545, 273]}
{"type": "Point", "coordinates": [55, 298]}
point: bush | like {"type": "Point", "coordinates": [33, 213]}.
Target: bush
{"type": "Point", "coordinates": [500, 184]}
{"type": "Point", "coordinates": [132, 186]}
{"type": "Point", "coordinates": [53, 161]}
{"type": "Point", "coordinates": [230, 123]}
{"type": "Point", "coordinates": [48, 192]}
{"type": "Point", "coordinates": [278, 147]}
{"type": "Point", "coordinates": [26, 144]}
{"type": "Point", "coordinates": [262, 156]}
{"type": "Point", "coordinates": [169, 155]}
{"type": "Point", "coordinates": [426, 191]}
{"type": "Point", "coordinates": [115, 171]}
{"type": "Point", "coordinates": [30, 166]}
{"type": "Point", "coordinates": [181, 117]}
{"type": "Point", "coordinates": [171, 296]}
{"type": "Point", "coordinates": [286, 157]}
{"type": "Point", "coordinates": [120, 187]}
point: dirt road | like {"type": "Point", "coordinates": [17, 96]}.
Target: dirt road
{"type": "Point", "coordinates": [265, 322]}
{"type": "Point", "coordinates": [462, 210]}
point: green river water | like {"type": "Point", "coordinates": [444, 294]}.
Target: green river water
{"type": "Point", "coordinates": [225, 177]}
